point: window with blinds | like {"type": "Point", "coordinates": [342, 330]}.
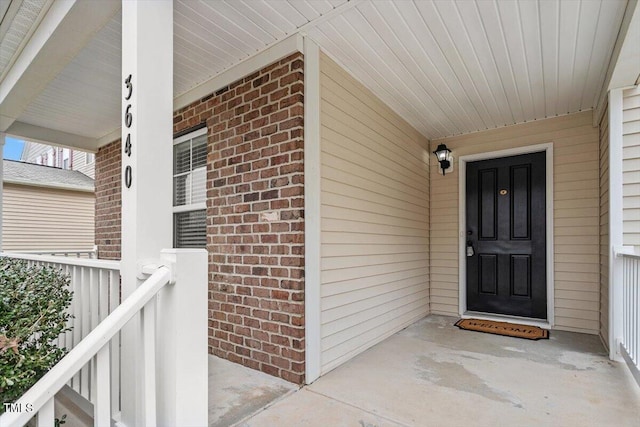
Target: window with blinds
{"type": "Point", "coordinates": [189, 190]}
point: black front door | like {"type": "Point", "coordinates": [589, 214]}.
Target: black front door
{"type": "Point", "coordinates": [506, 236]}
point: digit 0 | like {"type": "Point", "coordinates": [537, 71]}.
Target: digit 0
{"type": "Point", "coordinates": [127, 176]}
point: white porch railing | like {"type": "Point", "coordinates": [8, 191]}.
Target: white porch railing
{"type": "Point", "coordinates": [96, 293]}
{"type": "Point", "coordinates": [73, 253]}
{"type": "Point", "coordinates": [94, 347]}
{"type": "Point", "coordinates": [173, 371]}
{"type": "Point", "coordinates": [630, 342]}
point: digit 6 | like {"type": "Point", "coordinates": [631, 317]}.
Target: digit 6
{"type": "Point", "coordinates": [128, 117]}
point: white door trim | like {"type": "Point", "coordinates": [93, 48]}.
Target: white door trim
{"type": "Point", "coordinates": [462, 214]}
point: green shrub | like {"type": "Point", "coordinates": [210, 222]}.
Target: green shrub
{"type": "Point", "coordinates": [33, 313]}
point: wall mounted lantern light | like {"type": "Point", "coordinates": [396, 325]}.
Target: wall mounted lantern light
{"type": "Point", "coordinates": [443, 154]}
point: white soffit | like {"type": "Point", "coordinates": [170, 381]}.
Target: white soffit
{"type": "Point", "coordinates": [448, 67]}
{"type": "Point", "coordinates": [84, 99]}
{"type": "Point", "coordinates": [454, 67]}
{"type": "Point", "coordinates": [209, 37]}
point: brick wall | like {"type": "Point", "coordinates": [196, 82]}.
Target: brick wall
{"type": "Point", "coordinates": [255, 216]}
{"type": "Point", "coordinates": [108, 200]}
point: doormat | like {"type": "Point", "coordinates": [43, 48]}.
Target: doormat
{"type": "Point", "coordinates": [503, 328]}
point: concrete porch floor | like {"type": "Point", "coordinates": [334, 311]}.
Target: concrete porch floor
{"type": "Point", "coordinates": [433, 374]}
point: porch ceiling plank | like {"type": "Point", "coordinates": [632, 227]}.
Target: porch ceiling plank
{"type": "Point", "coordinates": [512, 24]}
{"type": "Point", "coordinates": [356, 26]}
{"type": "Point", "coordinates": [569, 15]}
{"type": "Point", "coordinates": [495, 27]}
{"type": "Point", "coordinates": [192, 28]}
{"type": "Point", "coordinates": [261, 22]}
{"type": "Point", "coordinates": [400, 47]}
{"type": "Point", "coordinates": [236, 36]}
{"type": "Point", "coordinates": [477, 45]}
{"type": "Point", "coordinates": [305, 9]}
{"type": "Point", "coordinates": [532, 48]}
{"type": "Point", "coordinates": [369, 75]}
{"type": "Point", "coordinates": [279, 16]}
{"type": "Point", "coordinates": [451, 71]}
{"type": "Point", "coordinates": [586, 37]}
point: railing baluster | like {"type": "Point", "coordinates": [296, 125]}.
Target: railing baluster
{"type": "Point", "coordinates": [86, 328]}
{"type": "Point", "coordinates": [635, 282]}
{"type": "Point", "coordinates": [91, 282]}
{"type": "Point", "coordinates": [114, 298]}
{"type": "Point", "coordinates": [76, 310]}
{"type": "Point", "coordinates": [148, 325]}
{"type": "Point", "coordinates": [46, 414]}
{"type": "Point", "coordinates": [102, 404]}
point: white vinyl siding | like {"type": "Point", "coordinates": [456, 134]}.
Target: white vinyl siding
{"type": "Point", "coordinates": [604, 226]}
{"type": "Point", "coordinates": [374, 219]}
{"type": "Point", "coordinates": [36, 218]}
{"type": "Point", "coordinates": [631, 166]}
{"type": "Point", "coordinates": [84, 162]}
{"type": "Point", "coordinates": [576, 215]}
{"type": "Point", "coordinates": [32, 151]}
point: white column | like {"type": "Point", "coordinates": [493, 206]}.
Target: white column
{"type": "Point", "coordinates": [182, 346]}
{"type": "Point", "coordinates": [615, 223]}
{"type": "Point", "coordinates": [2, 139]}
{"type": "Point", "coordinates": [147, 112]}
{"type": "Point", "coordinates": [312, 209]}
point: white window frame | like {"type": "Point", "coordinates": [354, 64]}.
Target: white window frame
{"type": "Point", "coordinates": [190, 206]}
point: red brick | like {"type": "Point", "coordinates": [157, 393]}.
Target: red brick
{"type": "Point", "coordinates": [255, 164]}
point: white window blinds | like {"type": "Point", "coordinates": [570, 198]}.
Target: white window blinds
{"type": "Point", "coordinates": [189, 190]}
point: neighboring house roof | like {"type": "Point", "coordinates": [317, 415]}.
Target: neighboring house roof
{"type": "Point", "coordinates": [45, 176]}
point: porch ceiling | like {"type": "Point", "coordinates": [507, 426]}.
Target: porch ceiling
{"type": "Point", "coordinates": [447, 67]}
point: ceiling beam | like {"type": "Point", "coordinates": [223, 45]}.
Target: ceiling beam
{"type": "Point", "coordinates": [64, 31]}
{"type": "Point", "coordinates": [47, 136]}
{"type": "Point", "coordinates": [627, 68]}
{"type": "Point", "coordinates": [622, 70]}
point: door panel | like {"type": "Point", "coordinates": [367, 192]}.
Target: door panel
{"type": "Point", "coordinates": [506, 227]}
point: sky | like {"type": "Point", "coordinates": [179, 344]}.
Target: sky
{"type": "Point", "coordinates": [13, 148]}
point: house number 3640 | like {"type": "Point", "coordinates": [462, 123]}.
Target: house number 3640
{"type": "Point", "coordinates": [128, 121]}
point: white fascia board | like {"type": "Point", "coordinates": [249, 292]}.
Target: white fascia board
{"type": "Point", "coordinates": [258, 61]}
{"type": "Point", "coordinates": [112, 136]}
{"type": "Point", "coordinates": [623, 53]}
{"type": "Point", "coordinates": [48, 136]}
{"type": "Point", "coordinates": [67, 27]}
{"type": "Point", "coordinates": [627, 67]}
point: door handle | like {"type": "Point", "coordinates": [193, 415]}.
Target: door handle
{"type": "Point", "coordinates": [470, 251]}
